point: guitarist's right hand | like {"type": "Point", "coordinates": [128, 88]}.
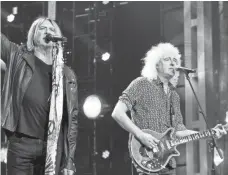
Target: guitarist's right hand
{"type": "Point", "coordinates": [148, 140]}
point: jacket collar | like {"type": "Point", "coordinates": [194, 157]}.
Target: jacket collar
{"type": "Point", "coordinates": [30, 59]}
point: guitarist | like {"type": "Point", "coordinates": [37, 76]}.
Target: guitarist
{"type": "Point", "coordinates": [153, 102]}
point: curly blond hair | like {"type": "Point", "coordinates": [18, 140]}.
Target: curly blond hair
{"type": "Point", "coordinates": [154, 55]}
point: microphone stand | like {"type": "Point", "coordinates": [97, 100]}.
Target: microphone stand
{"type": "Point", "coordinates": [213, 145]}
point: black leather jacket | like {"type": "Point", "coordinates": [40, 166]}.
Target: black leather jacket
{"type": "Point", "coordinates": [17, 78]}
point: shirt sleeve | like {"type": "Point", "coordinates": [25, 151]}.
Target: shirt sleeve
{"type": "Point", "coordinates": [132, 93]}
{"type": "Point", "coordinates": [178, 120]}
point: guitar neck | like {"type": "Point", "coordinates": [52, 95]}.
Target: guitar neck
{"type": "Point", "coordinates": [193, 137]}
{"type": "Point", "coordinates": [196, 136]}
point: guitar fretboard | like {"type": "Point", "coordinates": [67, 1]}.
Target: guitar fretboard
{"type": "Point", "coordinates": [193, 137]}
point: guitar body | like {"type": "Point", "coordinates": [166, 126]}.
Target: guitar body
{"type": "Point", "coordinates": [154, 160]}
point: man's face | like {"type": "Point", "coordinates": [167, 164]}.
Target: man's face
{"type": "Point", "coordinates": [45, 28]}
{"type": "Point", "coordinates": [166, 66]}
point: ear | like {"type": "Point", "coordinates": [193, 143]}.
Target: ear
{"type": "Point", "coordinates": [157, 65]}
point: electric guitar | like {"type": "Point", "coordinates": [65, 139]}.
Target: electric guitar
{"type": "Point", "coordinates": [156, 159]}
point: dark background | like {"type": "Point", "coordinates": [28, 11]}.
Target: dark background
{"type": "Point", "coordinates": [127, 32]}
{"type": "Point", "coordinates": [135, 28]}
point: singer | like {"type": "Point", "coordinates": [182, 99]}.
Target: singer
{"type": "Point", "coordinates": [153, 102]}
{"type": "Point", "coordinates": [27, 103]}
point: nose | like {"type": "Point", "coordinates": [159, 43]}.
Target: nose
{"type": "Point", "coordinates": [48, 31]}
{"type": "Point", "coordinates": [171, 63]}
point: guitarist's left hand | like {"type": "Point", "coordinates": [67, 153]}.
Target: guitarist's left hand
{"type": "Point", "coordinates": [219, 131]}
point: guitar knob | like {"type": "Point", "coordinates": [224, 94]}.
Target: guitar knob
{"type": "Point", "coordinates": [155, 150]}
{"type": "Point", "coordinates": [149, 166]}
{"type": "Point", "coordinates": [144, 162]}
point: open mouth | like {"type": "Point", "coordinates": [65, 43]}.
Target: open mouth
{"type": "Point", "coordinates": [45, 40]}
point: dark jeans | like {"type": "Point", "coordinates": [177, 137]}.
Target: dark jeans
{"type": "Point", "coordinates": [26, 155]}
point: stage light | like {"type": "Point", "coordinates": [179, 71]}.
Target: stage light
{"type": "Point", "coordinates": [105, 56]}
{"type": "Point", "coordinates": [10, 18]}
{"type": "Point", "coordinates": [15, 10]}
{"type": "Point", "coordinates": [105, 154]}
{"type": "Point", "coordinates": [92, 106]}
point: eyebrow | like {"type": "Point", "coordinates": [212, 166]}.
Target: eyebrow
{"type": "Point", "coordinates": [52, 27]}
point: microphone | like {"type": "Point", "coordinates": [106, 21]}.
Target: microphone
{"type": "Point", "coordinates": [55, 38]}
{"type": "Point", "coordinates": [185, 69]}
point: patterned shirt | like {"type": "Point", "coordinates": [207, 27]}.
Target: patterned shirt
{"type": "Point", "coordinates": [150, 105]}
